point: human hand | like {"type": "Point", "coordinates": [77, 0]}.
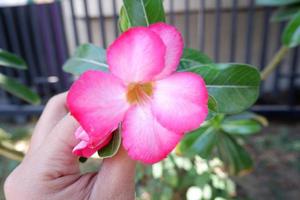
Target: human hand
{"type": "Point", "coordinates": [50, 170]}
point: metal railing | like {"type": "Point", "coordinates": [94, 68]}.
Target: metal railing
{"type": "Point", "coordinates": [45, 35]}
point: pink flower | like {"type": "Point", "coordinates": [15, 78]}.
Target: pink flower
{"type": "Point", "coordinates": [154, 104]}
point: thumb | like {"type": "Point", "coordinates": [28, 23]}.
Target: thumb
{"type": "Point", "coordinates": [115, 179]}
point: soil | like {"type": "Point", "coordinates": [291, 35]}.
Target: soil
{"type": "Point", "coordinates": [276, 152]}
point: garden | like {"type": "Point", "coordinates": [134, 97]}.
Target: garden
{"type": "Point", "coordinates": [201, 122]}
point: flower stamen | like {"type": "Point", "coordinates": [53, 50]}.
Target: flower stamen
{"type": "Point", "coordinates": [139, 92]}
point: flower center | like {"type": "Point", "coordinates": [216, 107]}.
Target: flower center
{"type": "Point", "coordinates": [139, 92]}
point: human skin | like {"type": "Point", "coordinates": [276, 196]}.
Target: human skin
{"type": "Point", "coordinates": [50, 170]}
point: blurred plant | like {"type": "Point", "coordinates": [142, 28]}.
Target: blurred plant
{"type": "Point", "coordinates": [289, 10]}
{"type": "Point", "coordinates": [11, 85]}
{"type": "Point", "coordinates": [9, 143]}
{"type": "Point", "coordinates": [179, 178]}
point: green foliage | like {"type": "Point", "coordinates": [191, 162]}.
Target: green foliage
{"type": "Point", "coordinates": [11, 85]}
{"type": "Point", "coordinates": [174, 177]}
{"type": "Point", "coordinates": [212, 104]}
{"type": "Point", "coordinates": [291, 34]}
{"type": "Point", "coordinates": [192, 58]}
{"type": "Point", "coordinates": [124, 23]}
{"type": "Point", "coordinates": [220, 133]}
{"type": "Point", "coordinates": [236, 159]}
{"type": "Point", "coordinates": [234, 87]}
{"type": "Point", "coordinates": [285, 13]}
{"type": "Point", "coordinates": [10, 60]}
{"type": "Point", "coordinates": [86, 57]}
{"type": "Point", "coordinates": [241, 127]}
{"type": "Point", "coordinates": [140, 13]}
{"type": "Point", "coordinates": [17, 89]}
{"type": "Point", "coordinates": [113, 146]}
{"type": "Point", "coordinates": [276, 2]}
{"type": "Point", "coordinates": [198, 142]}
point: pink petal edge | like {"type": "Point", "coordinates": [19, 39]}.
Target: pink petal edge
{"type": "Point", "coordinates": [144, 138]}
{"type": "Point", "coordinates": [180, 101]}
{"type": "Point", "coordinates": [83, 148]}
{"type": "Point", "coordinates": [98, 102]}
{"type": "Point", "coordinates": [173, 40]}
{"type": "Point", "coordinates": [137, 55]}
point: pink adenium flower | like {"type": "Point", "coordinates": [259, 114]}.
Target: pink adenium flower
{"type": "Point", "coordinates": [155, 105]}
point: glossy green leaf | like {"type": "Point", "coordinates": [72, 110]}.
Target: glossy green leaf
{"type": "Point", "coordinates": [285, 13]}
{"type": "Point", "coordinates": [113, 146]}
{"type": "Point", "coordinates": [192, 57]}
{"type": "Point", "coordinates": [276, 2]}
{"type": "Point", "coordinates": [235, 87]}
{"type": "Point", "coordinates": [291, 33]}
{"type": "Point", "coordinates": [235, 158]}
{"type": "Point", "coordinates": [8, 59]}
{"type": "Point", "coordinates": [17, 89]}
{"type": "Point", "coordinates": [86, 57]}
{"type": "Point", "coordinates": [241, 127]}
{"type": "Point", "coordinates": [140, 13]}
{"type": "Point", "coordinates": [199, 142]}
{"type": "Point", "coordinates": [124, 23]}
{"type": "Point", "coordinates": [249, 116]}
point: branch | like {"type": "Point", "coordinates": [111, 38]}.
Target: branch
{"type": "Point", "coordinates": [277, 58]}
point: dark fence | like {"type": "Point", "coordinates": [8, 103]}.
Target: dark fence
{"type": "Point", "coordinates": [228, 30]}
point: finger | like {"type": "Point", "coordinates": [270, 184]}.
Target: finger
{"type": "Point", "coordinates": [56, 150]}
{"type": "Point", "coordinates": [115, 179]}
{"type": "Point", "coordinates": [54, 111]}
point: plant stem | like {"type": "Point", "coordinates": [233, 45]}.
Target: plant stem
{"type": "Point", "coordinates": [174, 163]}
{"type": "Point", "coordinates": [10, 153]}
{"type": "Point", "coordinates": [280, 54]}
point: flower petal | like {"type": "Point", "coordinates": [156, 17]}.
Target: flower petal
{"type": "Point", "coordinates": [144, 138]}
{"type": "Point", "coordinates": [83, 148]}
{"type": "Point", "coordinates": [180, 101]}
{"type": "Point", "coordinates": [173, 40]}
{"type": "Point", "coordinates": [137, 55]}
{"type": "Point", "coordinates": [98, 101]}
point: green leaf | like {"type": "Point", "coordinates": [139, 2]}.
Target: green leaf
{"type": "Point", "coordinates": [192, 57]}
{"type": "Point", "coordinates": [241, 127]}
{"type": "Point", "coordinates": [235, 87]}
{"type": "Point", "coordinates": [199, 142]}
{"type": "Point", "coordinates": [113, 146]}
{"type": "Point", "coordinates": [10, 60]}
{"type": "Point", "coordinates": [235, 158]}
{"type": "Point", "coordinates": [212, 104]}
{"type": "Point", "coordinates": [285, 13]}
{"type": "Point", "coordinates": [86, 57]}
{"type": "Point", "coordinates": [124, 23]}
{"type": "Point", "coordinates": [249, 116]}
{"type": "Point", "coordinates": [291, 33]}
{"type": "Point", "coordinates": [141, 13]}
{"type": "Point", "coordinates": [15, 88]}
{"type": "Point", "coordinates": [276, 2]}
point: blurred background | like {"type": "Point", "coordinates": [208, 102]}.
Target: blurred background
{"type": "Point", "coordinates": [46, 33]}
